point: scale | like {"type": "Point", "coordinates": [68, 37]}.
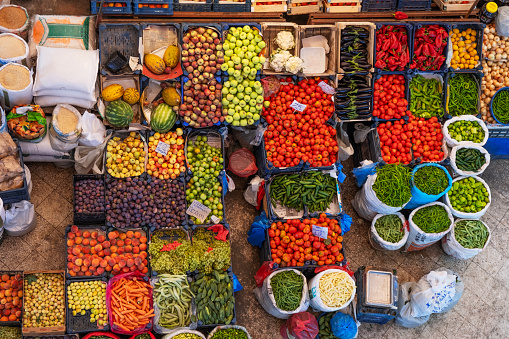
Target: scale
{"type": "Point", "coordinates": [377, 294]}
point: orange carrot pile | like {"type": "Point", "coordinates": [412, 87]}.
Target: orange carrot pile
{"type": "Point", "coordinates": [130, 304]}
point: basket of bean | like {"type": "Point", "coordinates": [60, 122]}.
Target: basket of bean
{"type": "Point", "coordinates": [229, 332]}
{"type": "Point", "coordinates": [467, 238]}
{"type": "Point", "coordinates": [388, 232]}
{"type": "Point", "coordinates": [469, 160]}
{"type": "Point", "coordinates": [429, 183]}
{"type": "Point", "coordinates": [465, 130]}
{"type": "Point", "coordinates": [499, 106]}
{"type": "Point", "coordinates": [469, 197]}
{"type": "Point", "coordinates": [184, 334]}
{"type": "Point", "coordinates": [428, 224]}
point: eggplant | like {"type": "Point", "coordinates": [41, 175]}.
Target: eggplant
{"type": "Point", "coordinates": [361, 103]}
{"type": "Point", "coordinates": [365, 90]}
{"type": "Point", "coordinates": [355, 66]}
{"type": "Point", "coordinates": [342, 90]}
{"type": "Point", "coordinates": [343, 105]}
{"type": "Point", "coordinates": [363, 96]}
{"type": "Point", "coordinates": [363, 108]}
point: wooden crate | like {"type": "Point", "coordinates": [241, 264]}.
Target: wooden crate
{"type": "Point", "coordinates": [446, 6]}
{"type": "Point", "coordinates": [126, 81]}
{"type": "Point", "coordinates": [269, 32]}
{"type": "Point", "coordinates": [330, 32]}
{"type": "Point", "coordinates": [304, 7]}
{"type": "Point", "coordinates": [371, 45]}
{"type": "Point", "coordinates": [275, 7]}
{"type": "Point", "coordinates": [330, 6]}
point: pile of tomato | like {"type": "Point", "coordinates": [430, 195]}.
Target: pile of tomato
{"type": "Point", "coordinates": [426, 138]}
{"type": "Point", "coordinates": [293, 136]}
{"type": "Point", "coordinates": [395, 142]}
{"type": "Point", "coordinates": [389, 97]}
{"type": "Point", "coordinates": [292, 243]}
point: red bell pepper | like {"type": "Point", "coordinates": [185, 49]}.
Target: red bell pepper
{"type": "Point", "coordinates": [400, 15]}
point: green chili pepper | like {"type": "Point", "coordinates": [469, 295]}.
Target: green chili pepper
{"type": "Point", "coordinates": [463, 95]}
{"type": "Point", "coordinates": [431, 180]}
{"type": "Point", "coordinates": [501, 106]}
{"type": "Point", "coordinates": [432, 219]}
{"type": "Point", "coordinates": [470, 159]}
{"type": "Point", "coordinates": [392, 185]}
{"type": "Point", "coordinates": [425, 97]}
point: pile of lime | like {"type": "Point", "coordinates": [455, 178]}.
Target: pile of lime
{"type": "Point", "coordinates": [83, 296]}
{"type": "Point", "coordinates": [466, 130]}
{"type": "Point", "coordinates": [468, 195]}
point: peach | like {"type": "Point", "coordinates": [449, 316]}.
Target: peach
{"type": "Point", "coordinates": [112, 235]}
{"type": "Point", "coordinates": [2, 306]}
{"type": "Point", "coordinates": [94, 235]}
{"type": "Point", "coordinates": [143, 240]}
{"type": "Point", "coordinates": [112, 262]}
{"type": "Point", "coordinates": [136, 250]}
{"type": "Point", "coordinates": [95, 262]}
{"type": "Point", "coordinates": [80, 274]}
{"type": "Point", "coordinates": [116, 268]}
{"type": "Point", "coordinates": [70, 242]}
{"type": "Point", "coordinates": [128, 241]}
{"type": "Point", "coordinates": [71, 235]}
{"type": "Point", "coordinates": [114, 255]}
{"type": "Point", "coordinates": [145, 262]}
{"type": "Point", "coordinates": [16, 301]}
{"type": "Point", "coordinates": [87, 262]}
{"type": "Point", "coordinates": [120, 243]}
{"type": "Point", "coordinates": [126, 270]}
{"type": "Point", "coordinates": [69, 266]}
{"type": "Point", "coordinates": [20, 294]}
{"type": "Point", "coordinates": [137, 234]}
{"type": "Point", "coordinates": [107, 252]}
{"type": "Point", "coordinates": [144, 270]}
{"type": "Point", "coordinates": [136, 242]}
{"type": "Point", "coordinates": [108, 268]}
{"type": "Point", "coordinates": [143, 255]}
{"type": "Point", "coordinates": [18, 314]}
{"type": "Point", "coordinates": [69, 250]}
{"type": "Point", "coordinates": [113, 249]}
{"type": "Point", "coordinates": [122, 236]}
{"type": "Point", "coordinates": [6, 312]}
{"type": "Point", "coordinates": [84, 268]}
{"type": "Point", "coordinates": [86, 250]}
{"type": "Point", "coordinates": [130, 262]}
{"type": "Point", "coordinates": [78, 233]}
{"type": "Point", "coordinates": [78, 240]}
{"type": "Point", "coordinates": [129, 234]}
{"type": "Point", "coordinates": [86, 234]}
{"type": "Point", "coordinates": [98, 248]}
{"type": "Point", "coordinates": [103, 263]}
{"type": "Point", "coordinates": [78, 262]}
{"type": "Point", "coordinates": [74, 229]}
{"type": "Point", "coordinates": [106, 244]}
{"type": "Point", "coordinates": [86, 242]}
{"type": "Point", "coordinates": [101, 254]}
{"type": "Point", "coordinates": [69, 257]}
{"type": "Point", "coordinates": [133, 268]}
{"type": "Point", "coordinates": [128, 248]}
{"type": "Point", "coordinates": [122, 263]}
{"type": "Point", "coordinates": [93, 242]}
{"type": "Point", "coordinates": [13, 317]}
{"type": "Point", "coordinates": [8, 293]}
{"type": "Point", "coordinates": [101, 238]}
{"type": "Point", "coordinates": [143, 247]}
{"type": "Point", "coordinates": [100, 270]}
{"type": "Point", "coordinates": [9, 299]}
{"type": "Point", "coordinates": [8, 305]}
{"type": "Point", "coordinates": [92, 250]}
{"type": "Point", "coordinates": [120, 250]}
{"type": "Point", "coordinates": [76, 251]}
{"type": "Point", "coordinates": [88, 273]}
{"type": "Point", "coordinates": [76, 269]}
{"type": "Point", "coordinates": [138, 261]}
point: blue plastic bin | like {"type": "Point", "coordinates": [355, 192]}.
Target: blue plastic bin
{"type": "Point", "coordinates": [95, 7]}
{"type": "Point", "coordinates": [147, 11]}
{"type": "Point", "coordinates": [123, 38]}
{"type": "Point", "coordinates": [410, 42]}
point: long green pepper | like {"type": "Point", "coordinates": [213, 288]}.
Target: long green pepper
{"type": "Point", "coordinates": [431, 180]}
{"type": "Point", "coordinates": [390, 228]}
{"type": "Point", "coordinates": [501, 106]}
{"type": "Point", "coordinates": [432, 219]}
{"type": "Point", "coordinates": [470, 159]}
{"type": "Point", "coordinates": [463, 95]}
{"type": "Point", "coordinates": [392, 185]}
{"type": "Point", "coordinates": [229, 333]}
{"type": "Point", "coordinates": [471, 233]}
{"type": "Point", "coordinates": [426, 97]}
{"type": "Point", "coordinates": [287, 289]}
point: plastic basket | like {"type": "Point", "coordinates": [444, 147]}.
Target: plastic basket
{"type": "Point", "coordinates": [187, 26]}
{"type": "Point", "coordinates": [379, 5]}
{"type": "Point", "coordinates": [192, 6]}
{"type": "Point", "coordinates": [18, 194]}
{"type": "Point", "coordinates": [88, 218]}
{"type": "Point", "coordinates": [479, 29]}
{"type": "Point", "coordinates": [95, 7]}
{"type": "Point", "coordinates": [477, 75]}
{"type": "Point", "coordinates": [407, 91]}
{"type": "Point", "coordinates": [230, 6]}
{"type": "Point", "coordinates": [152, 10]}
{"type": "Point", "coordinates": [123, 38]}
{"type": "Point", "coordinates": [410, 43]}
{"type": "Point", "coordinates": [442, 75]}
{"type": "Point", "coordinates": [270, 31]}
{"type": "Point", "coordinates": [447, 28]}
{"type": "Point", "coordinates": [414, 5]}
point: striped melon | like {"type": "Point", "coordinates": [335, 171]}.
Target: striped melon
{"type": "Point", "coordinates": [119, 113]}
{"type": "Point", "coordinates": [163, 118]}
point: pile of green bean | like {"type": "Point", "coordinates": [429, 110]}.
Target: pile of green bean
{"type": "Point", "coordinates": [229, 333]}
{"type": "Point", "coordinates": [500, 106]}
{"type": "Point", "coordinates": [390, 228]}
{"type": "Point", "coordinates": [463, 95]}
{"type": "Point", "coordinates": [426, 97]}
{"type": "Point", "coordinates": [471, 233]}
{"type": "Point", "coordinates": [325, 330]}
{"type": "Point", "coordinates": [173, 296]}
{"type": "Point", "coordinates": [287, 289]}
{"type": "Point", "coordinates": [313, 189]}
{"type": "Point", "coordinates": [431, 180]}
{"type": "Point", "coordinates": [470, 159]}
{"type": "Point", "coordinates": [432, 219]}
{"type": "Point", "coordinates": [392, 185]}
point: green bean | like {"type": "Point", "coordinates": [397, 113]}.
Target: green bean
{"type": "Point", "coordinates": [229, 333]}
{"type": "Point", "coordinates": [470, 159]}
{"type": "Point", "coordinates": [287, 289]}
{"type": "Point", "coordinates": [463, 95]}
{"type": "Point", "coordinates": [426, 97]}
{"type": "Point", "coordinates": [431, 180]}
{"type": "Point", "coordinates": [432, 219]}
{"type": "Point", "coordinates": [471, 233]}
{"type": "Point", "coordinates": [390, 228]}
{"type": "Point", "coordinates": [392, 185]}
{"type": "Point", "coordinates": [501, 106]}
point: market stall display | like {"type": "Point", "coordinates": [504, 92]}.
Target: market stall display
{"type": "Point", "coordinates": [390, 96]}
{"type": "Point", "coordinates": [430, 47]}
{"type": "Point", "coordinates": [11, 288]}
{"type": "Point", "coordinates": [392, 47]}
{"type": "Point", "coordinates": [354, 52]}
{"type": "Point", "coordinates": [125, 155]}
{"type": "Point", "coordinates": [462, 94]}
{"type": "Point", "coordinates": [170, 163]}
{"type": "Point", "coordinates": [354, 98]}
{"type": "Point", "coordinates": [469, 197]}
{"type": "Point", "coordinates": [86, 306]}
{"type": "Point", "coordinates": [426, 96]}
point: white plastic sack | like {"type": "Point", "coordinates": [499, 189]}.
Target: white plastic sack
{"type": "Point", "coordinates": [2, 216]}
{"type": "Point", "coordinates": [90, 159]}
{"type": "Point", "coordinates": [366, 203]}
{"type": "Point", "coordinates": [45, 101]}
{"type": "Point", "coordinates": [315, 300]}
{"type": "Point", "coordinates": [73, 136]}
{"type": "Point", "coordinates": [11, 98]}
{"type": "Point", "coordinates": [469, 173]}
{"type": "Point", "coordinates": [93, 130]}
{"type": "Point", "coordinates": [404, 317]}
{"type": "Point", "coordinates": [22, 59]}
{"type": "Point", "coordinates": [345, 147]}
{"type": "Point", "coordinates": [28, 178]}
{"type": "Point", "coordinates": [465, 215]}
{"type": "Point", "coordinates": [452, 142]}
{"type": "Point", "coordinates": [225, 327]}
{"type": "Point", "coordinates": [377, 241]}
{"type": "Point", "coordinates": [251, 192]}
{"type": "Point", "coordinates": [417, 239]}
{"type": "Point", "coordinates": [502, 21]}
{"type": "Point", "coordinates": [42, 148]}
{"type": "Point", "coordinates": [173, 334]}
{"type": "Point", "coordinates": [452, 247]}
{"type": "Point", "coordinates": [20, 219]}
{"type": "Point", "coordinates": [66, 69]}
{"type": "Point", "coordinates": [67, 94]}
{"type": "Point", "coordinates": [265, 297]}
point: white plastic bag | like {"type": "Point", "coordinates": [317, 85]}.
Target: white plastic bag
{"type": "Point", "coordinates": [265, 297]}
{"type": "Point", "coordinates": [28, 178]}
{"type": "Point", "coordinates": [2, 216]}
{"type": "Point", "coordinates": [465, 215]}
{"type": "Point", "coordinates": [20, 218]}
{"type": "Point", "coordinates": [315, 300]}
{"type": "Point", "coordinates": [345, 147]}
{"type": "Point", "coordinates": [225, 327]}
{"type": "Point", "coordinates": [379, 243]}
{"type": "Point", "coordinates": [93, 130]}
{"type": "Point", "coordinates": [502, 21]}
{"type": "Point", "coordinates": [73, 136]}
{"type": "Point", "coordinates": [175, 333]}
{"type": "Point", "coordinates": [452, 142]}
{"type": "Point", "coordinates": [404, 317]}
{"type": "Point", "coordinates": [418, 239]}
{"type": "Point", "coordinates": [22, 59]}
{"type": "Point", "coordinates": [11, 98]}
{"type": "Point", "coordinates": [251, 192]}
{"type": "Point", "coordinates": [452, 247]}
{"type": "Point", "coordinates": [469, 173]}
{"type": "Point", "coordinates": [90, 159]}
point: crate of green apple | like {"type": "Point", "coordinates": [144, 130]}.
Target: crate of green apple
{"type": "Point", "coordinates": [86, 305]}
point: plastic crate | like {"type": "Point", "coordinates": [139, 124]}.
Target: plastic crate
{"type": "Point", "coordinates": [192, 6]}
{"type": "Point", "coordinates": [81, 323]}
{"type": "Point", "coordinates": [379, 5]}
{"type": "Point", "coordinates": [230, 6]}
{"type": "Point", "coordinates": [427, 75]}
{"type": "Point", "coordinates": [18, 194]}
{"type": "Point", "coordinates": [498, 146]}
{"type": "Point", "coordinates": [370, 81]}
{"type": "Point", "coordinates": [122, 38]}
{"type": "Point", "coordinates": [478, 76]}
{"type": "Point", "coordinates": [410, 39]}
{"type": "Point", "coordinates": [447, 28]}
{"type": "Point", "coordinates": [95, 7]}
{"type": "Point", "coordinates": [137, 10]}
{"type": "Point", "coordinates": [414, 5]}
{"type": "Point", "coordinates": [14, 323]}
{"type": "Point", "coordinates": [276, 7]}
{"type": "Point", "coordinates": [479, 29]}
{"type": "Point", "coordinates": [407, 91]}
{"type": "Point", "coordinates": [187, 26]}
{"type": "Point", "coordinates": [123, 134]}
{"type": "Point", "coordinates": [226, 26]}
{"type": "Point", "coordinates": [165, 234]}
{"type": "Point", "coordinates": [88, 218]}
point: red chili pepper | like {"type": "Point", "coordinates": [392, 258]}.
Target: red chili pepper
{"type": "Point", "coordinates": [403, 58]}
{"type": "Point", "coordinates": [400, 15]}
{"type": "Point", "coordinates": [390, 28]}
{"type": "Point", "coordinates": [399, 49]}
{"type": "Point", "coordinates": [432, 33]}
{"type": "Point", "coordinates": [386, 45]}
{"type": "Point", "coordinates": [394, 41]}
{"type": "Point", "coordinates": [428, 39]}
{"type": "Point", "coordinates": [380, 64]}
{"type": "Point", "coordinates": [438, 40]}
{"type": "Point", "coordinates": [425, 50]}
{"type": "Point", "coordinates": [404, 38]}
{"type": "Point", "coordinates": [421, 58]}
{"type": "Point", "coordinates": [381, 54]}
{"type": "Point", "coordinates": [419, 33]}
{"type": "Point", "coordinates": [418, 50]}
{"type": "Point", "coordinates": [432, 52]}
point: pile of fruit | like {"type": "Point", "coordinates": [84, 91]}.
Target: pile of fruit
{"type": "Point", "coordinates": [89, 196]}
{"type": "Point", "coordinates": [91, 253]}
{"type": "Point", "coordinates": [170, 165]}
{"type": "Point", "coordinates": [468, 195]}
{"type": "Point", "coordinates": [464, 48]}
{"type": "Point", "coordinates": [88, 298]}
{"type": "Point", "coordinates": [293, 136]}
{"type": "Point", "coordinates": [119, 112]}
{"type": "Point", "coordinates": [125, 157]}
{"type": "Point", "coordinates": [466, 130]}
{"type": "Point", "coordinates": [389, 97]}
{"type": "Point", "coordinates": [11, 296]}
{"type": "Point", "coordinates": [43, 292]}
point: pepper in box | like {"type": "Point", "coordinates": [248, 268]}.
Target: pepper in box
{"type": "Point", "coordinates": [392, 48]}
{"type": "Point", "coordinates": [429, 44]}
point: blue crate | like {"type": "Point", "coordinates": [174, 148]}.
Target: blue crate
{"type": "Point", "coordinates": [479, 29]}
{"type": "Point", "coordinates": [414, 5]}
{"type": "Point", "coordinates": [192, 6]}
{"type": "Point", "coordinates": [123, 38]}
{"type": "Point", "coordinates": [410, 35]}
{"type": "Point", "coordinates": [187, 26]}
{"type": "Point", "coordinates": [407, 91]}
{"type": "Point", "coordinates": [378, 5]}
{"type": "Point", "coordinates": [96, 9]}
{"type": "Point", "coordinates": [152, 11]}
{"type": "Point", "coordinates": [245, 6]}
{"type": "Point", "coordinates": [442, 75]}
{"type": "Point", "coordinates": [478, 75]}
{"type": "Point", "coordinates": [18, 194]}
{"type": "Point", "coordinates": [447, 28]}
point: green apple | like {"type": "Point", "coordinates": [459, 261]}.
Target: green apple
{"type": "Point", "coordinates": [224, 67]}
{"type": "Point", "coordinates": [251, 48]}
{"type": "Point", "coordinates": [233, 90]}
{"type": "Point", "coordinates": [247, 90]}
{"type": "Point", "coordinates": [253, 71]}
{"type": "Point", "coordinates": [246, 43]}
{"type": "Point", "coordinates": [249, 55]}
{"type": "Point", "coordinates": [235, 123]}
{"type": "Point", "coordinates": [262, 59]}
{"type": "Point", "coordinates": [239, 79]}
{"type": "Point", "coordinates": [236, 116]}
{"type": "Point", "coordinates": [230, 64]}
{"type": "Point", "coordinates": [242, 114]}
{"type": "Point", "coordinates": [243, 122]}
{"type": "Point", "coordinates": [256, 117]}
{"type": "Point", "coordinates": [231, 106]}
{"type": "Point", "coordinates": [244, 49]}
{"type": "Point", "coordinates": [256, 60]}
{"type": "Point", "coordinates": [259, 107]}
{"type": "Point", "coordinates": [228, 53]}
{"type": "Point", "coordinates": [231, 38]}
{"type": "Point", "coordinates": [232, 45]}
{"type": "Point", "coordinates": [241, 54]}
{"type": "Point", "coordinates": [257, 50]}
{"type": "Point", "coordinates": [252, 102]}
{"type": "Point", "coordinates": [266, 104]}
{"type": "Point", "coordinates": [261, 44]}
{"type": "Point", "coordinates": [250, 121]}
{"type": "Point", "coordinates": [236, 74]}
{"type": "Point", "coordinates": [246, 69]}
{"type": "Point", "coordinates": [238, 43]}
{"type": "Point", "coordinates": [233, 83]}
{"type": "Point", "coordinates": [230, 71]}
{"type": "Point", "coordinates": [251, 64]}
{"type": "Point", "coordinates": [235, 101]}
{"type": "Point", "coordinates": [253, 95]}
{"type": "Point", "coordinates": [236, 60]}
{"type": "Point", "coordinates": [229, 119]}
{"type": "Point", "coordinates": [246, 83]}
{"type": "Point", "coordinates": [242, 103]}
{"type": "Point", "coordinates": [236, 33]}
{"type": "Point", "coordinates": [251, 77]}
{"type": "Point", "coordinates": [252, 109]}
{"type": "Point", "coordinates": [259, 99]}
{"type": "Point", "coordinates": [225, 90]}
{"type": "Point", "coordinates": [257, 84]}
{"type": "Point", "coordinates": [245, 62]}
{"type": "Point", "coordinates": [227, 58]}
{"type": "Point", "coordinates": [246, 28]}
{"type": "Point", "coordinates": [236, 50]}
{"type": "Point", "coordinates": [240, 88]}
{"type": "Point", "coordinates": [258, 66]}
{"type": "Point", "coordinates": [242, 36]}
{"type": "Point", "coordinates": [250, 36]}
{"type": "Point", "coordinates": [225, 102]}
{"type": "Point", "coordinates": [226, 47]}
{"type": "Point", "coordinates": [230, 96]}
{"type": "Point", "coordinates": [226, 84]}
{"type": "Point", "coordinates": [259, 90]}
{"type": "Point", "coordinates": [249, 115]}
{"type": "Point", "coordinates": [238, 108]}
{"type": "Point", "coordinates": [258, 38]}
{"type": "Point", "coordinates": [231, 111]}
{"type": "Point", "coordinates": [240, 95]}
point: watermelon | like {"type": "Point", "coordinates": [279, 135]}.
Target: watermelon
{"type": "Point", "coordinates": [163, 118]}
{"type": "Point", "coordinates": [119, 113]}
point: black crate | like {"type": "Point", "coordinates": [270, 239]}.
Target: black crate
{"type": "Point", "coordinates": [18, 194]}
{"type": "Point", "coordinates": [414, 5]}
{"type": "Point", "coordinates": [221, 6]}
{"type": "Point", "coordinates": [478, 78]}
{"type": "Point", "coordinates": [123, 134]}
{"type": "Point", "coordinates": [410, 43]}
{"type": "Point", "coordinates": [192, 6]}
{"type": "Point", "coordinates": [379, 5]}
{"type": "Point", "coordinates": [367, 150]}
{"type": "Point", "coordinates": [418, 25]}
{"type": "Point", "coordinates": [88, 218]}
{"type": "Point", "coordinates": [122, 38]}
{"type": "Point", "coordinates": [14, 323]}
{"type": "Point", "coordinates": [166, 235]}
{"type": "Point", "coordinates": [479, 29]}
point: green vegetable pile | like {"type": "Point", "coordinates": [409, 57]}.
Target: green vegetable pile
{"type": "Point", "coordinates": [325, 331]}
{"type": "Point", "coordinates": [431, 180]}
{"type": "Point", "coordinates": [101, 337]}
{"type": "Point", "coordinates": [426, 97]}
{"type": "Point", "coordinates": [214, 298]}
{"type": "Point", "coordinates": [466, 130]}
{"type": "Point", "coordinates": [287, 289]}
{"type": "Point", "coordinates": [468, 195]}
{"type": "Point", "coordinates": [313, 189]}
{"type": "Point", "coordinates": [392, 185]}
{"type": "Point", "coordinates": [470, 159]}
{"type": "Point", "coordinates": [173, 297]}
{"type": "Point", "coordinates": [187, 336]}
{"type": "Point", "coordinates": [188, 256]}
{"type": "Point", "coordinates": [432, 219]}
{"type": "Point", "coordinates": [390, 228]}
{"type": "Point", "coordinates": [7, 332]}
{"type": "Point", "coordinates": [463, 95]}
{"type": "Point", "coordinates": [142, 336]}
{"type": "Point", "coordinates": [471, 233]}
{"type": "Point", "coordinates": [500, 106]}
{"type": "Point", "coordinates": [229, 333]}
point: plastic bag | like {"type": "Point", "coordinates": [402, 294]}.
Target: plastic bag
{"type": "Point", "coordinates": [90, 159]}
{"type": "Point", "coordinates": [270, 85]}
{"type": "Point", "coordinates": [345, 148]}
{"type": "Point", "coordinates": [21, 59]}
{"type": "Point", "coordinates": [361, 173]}
{"type": "Point", "coordinates": [452, 142]}
{"type": "Point", "coordinates": [11, 97]}
{"type": "Point", "coordinates": [465, 215]}
{"type": "Point", "coordinates": [420, 198]}
{"type": "Point", "coordinates": [173, 334]}
{"type": "Point", "coordinates": [452, 247]}
{"type": "Point", "coordinates": [248, 136]}
{"type": "Point", "coordinates": [417, 239]}
{"type": "Point", "coordinates": [251, 192]}
{"type": "Point", "coordinates": [378, 243]}
{"type": "Point", "coordinates": [361, 132]}
{"type": "Point", "coordinates": [315, 300]}
{"type": "Point", "coordinates": [28, 178]}
{"type": "Point", "coordinates": [7, 145]}
{"type": "Point", "coordinates": [343, 326]}
{"type": "Point", "coordinates": [469, 173]}
{"type": "Point", "coordinates": [256, 233]}
{"type": "Point", "coordinates": [93, 130]}
{"type": "Point", "coordinates": [242, 163]}
{"type": "Point", "coordinates": [23, 30]}
{"type": "Point", "coordinates": [225, 327]}
{"type": "Point", "coordinates": [64, 141]}
{"type": "Point", "coordinates": [502, 21]}
{"type": "Point", "coordinates": [404, 317]}
{"type": "Point", "coordinates": [20, 218]}
{"type": "Point", "coordinates": [302, 325]}
{"type": "Point", "coordinates": [265, 297]}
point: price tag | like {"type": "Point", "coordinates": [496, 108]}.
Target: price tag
{"type": "Point", "coordinates": [162, 148]}
{"type": "Point", "coordinates": [320, 232]}
{"type": "Point", "coordinates": [215, 219]}
{"type": "Point", "coordinates": [326, 88]}
{"type": "Point", "coordinates": [198, 210]}
{"type": "Point", "coordinates": [298, 106]}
